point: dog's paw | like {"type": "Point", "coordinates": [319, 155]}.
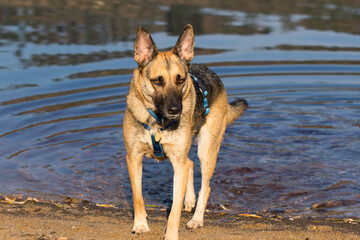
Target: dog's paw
{"type": "Point", "coordinates": [194, 224]}
{"type": "Point", "coordinates": [141, 228]}
{"type": "Point", "coordinates": [190, 201]}
{"type": "Point", "coordinates": [189, 204]}
{"type": "Point", "coordinates": [188, 207]}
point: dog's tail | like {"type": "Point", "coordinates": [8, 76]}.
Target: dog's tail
{"type": "Point", "coordinates": [235, 110]}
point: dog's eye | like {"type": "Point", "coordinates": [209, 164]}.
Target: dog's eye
{"type": "Point", "coordinates": [159, 81]}
{"type": "Point", "coordinates": [179, 80]}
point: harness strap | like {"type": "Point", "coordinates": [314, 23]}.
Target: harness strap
{"type": "Point", "coordinates": [155, 138]}
{"type": "Point", "coordinates": [203, 92]}
{"type": "Point", "coordinates": [158, 148]}
{"type": "Point", "coordinates": [158, 118]}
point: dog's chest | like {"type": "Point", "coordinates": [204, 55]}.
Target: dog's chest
{"type": "Point", "coordinates": [147, 140]}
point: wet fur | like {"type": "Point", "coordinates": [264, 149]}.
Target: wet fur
{"type": "Point", "coordinates": [186, 99]}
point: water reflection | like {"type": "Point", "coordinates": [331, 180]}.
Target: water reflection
{"type": "Point", "coordinates": [65, 69]}
{"type": "Point", "coordinates": [101, 22]}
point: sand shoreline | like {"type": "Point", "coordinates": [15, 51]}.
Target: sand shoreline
{"type": "Point", "coordinates": [32, 220]}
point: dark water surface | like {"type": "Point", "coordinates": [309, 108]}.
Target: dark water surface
{"type": "Point", "coordinates": [65, 68]}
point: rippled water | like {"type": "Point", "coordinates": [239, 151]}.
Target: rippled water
{"type": "Point", "coordinates": [63, 85]}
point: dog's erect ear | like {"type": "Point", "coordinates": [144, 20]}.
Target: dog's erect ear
{"type": "Point", "coordinates": [144, 48]}
{"type": "Point", "coordinates": [184, 47]}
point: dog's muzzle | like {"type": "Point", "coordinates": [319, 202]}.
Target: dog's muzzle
{"type": "Point", "coordinates": [173, 111]}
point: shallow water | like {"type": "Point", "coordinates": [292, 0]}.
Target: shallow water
{"type": "Point", "coordinates": [65, 70]}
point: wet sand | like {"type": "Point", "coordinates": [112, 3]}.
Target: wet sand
{"type": "Point", "coordinates": [72, 220]}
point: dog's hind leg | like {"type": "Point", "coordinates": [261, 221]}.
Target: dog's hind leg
{"type": "Point", "coordinates": [190, 198]}
{"type": "Point", "coordinates": [209, 140]}
{"type": "Point", "coordinates": [134, 164]}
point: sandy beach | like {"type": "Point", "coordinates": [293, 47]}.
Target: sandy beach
{"type": "Point", "coordinates": [73, 220]}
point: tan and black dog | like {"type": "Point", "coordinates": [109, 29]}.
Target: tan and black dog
{"type": "Point", "coordinates": [167, 105]}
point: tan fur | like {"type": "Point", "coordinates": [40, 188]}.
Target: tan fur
{"type": "Point", "coordinates": [235, 111]}
{"type": "Point", "coordinates": [176, 142]}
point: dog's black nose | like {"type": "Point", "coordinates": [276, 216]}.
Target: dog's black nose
{"type": "Point", "coordinates": [174, 109]}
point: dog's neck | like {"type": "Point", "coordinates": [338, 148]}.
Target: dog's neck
{"type": "Point", "coordinates": [162, 121]}
{"type": "Point", "coordinates": [158, 118]}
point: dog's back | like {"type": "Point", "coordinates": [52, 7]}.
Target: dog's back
{"type": "Point", "coordinates": [214, 87]}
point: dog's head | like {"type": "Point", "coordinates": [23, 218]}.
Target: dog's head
{"type": "Point", "coordinates": [163, 76]}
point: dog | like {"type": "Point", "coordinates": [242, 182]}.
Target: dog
{"type": "Point", "coordinates": [170, 102]}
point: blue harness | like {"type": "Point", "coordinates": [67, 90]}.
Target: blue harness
{"type": "Point", "coordinates": [155, 138]}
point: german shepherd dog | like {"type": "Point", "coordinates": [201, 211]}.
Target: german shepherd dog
{"type": "Point", "coordinates": [165, 101]}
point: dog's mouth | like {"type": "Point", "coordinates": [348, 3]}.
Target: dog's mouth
{"type": "Point", "coordinates": [172, 116]}
{"type": "Point", "coordinates": [173, 111]}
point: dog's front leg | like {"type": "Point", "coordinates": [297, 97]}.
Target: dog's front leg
{"type": "Point", "coordinates": [181, 173]}
{"type": "Point", "coordinates": [134, 164]}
